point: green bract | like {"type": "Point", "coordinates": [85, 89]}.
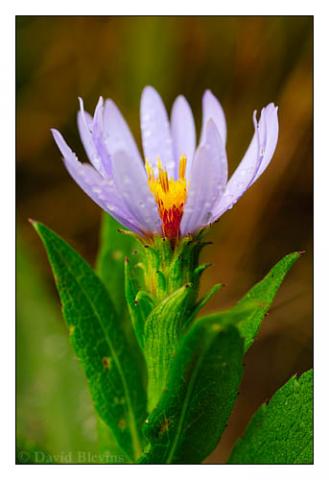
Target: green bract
{"type": "Point", "coordinates": [163, 380]}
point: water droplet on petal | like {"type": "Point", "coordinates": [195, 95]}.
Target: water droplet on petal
{"type": "Point", "coordinates": [95, 160]}
{"type": "Point", "coordinates": [126, 181]}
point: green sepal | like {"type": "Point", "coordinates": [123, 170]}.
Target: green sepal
{"type": "Point", "coordinates": [248, 313]}
{"type": "Point", "coordinates": [140, 303]}
{"type": "Point", "coordinates": [164, 248]}
{"type": "Point", "coordinates": [198, 271]}
{"type": "Point", "coordinates": [110, 364]}
{"type": "Point", "coordinates": [162, 285]}
{"type": "Point", "coordinates": [184, 262]}
{"type": "Point", "coordinates": [205, 299]}
{"type": "Point", "coordinates": [280, 432]}
{"type": "Point", "coordinates": [170, 277]}
{"type": "Point", "coordinates": [136, 313]}
{"type": "Point", "coordinates": [201, 389]}
{"type": "Point", "coordinates": [146, 302]}
{"type": "Point", "coordinates": [167, 268]}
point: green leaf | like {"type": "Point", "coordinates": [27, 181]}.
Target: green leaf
{"type": "Point", "coordinates": [280, 432]}
{"type": "Point", "coordinates": [114, 247]}
{"type": "Point", "coordinates": [99, 342]}
{"type": "Point", "coordinates": [53, 405]}
{"type": "Point", "coordinates": [248, 313]}
{"type": "Point", "coordinates": [109, 451]}
{"type": "Point", "coordinates": [161, 333]}
{"type": "Point", "coordinates": [202, 386]}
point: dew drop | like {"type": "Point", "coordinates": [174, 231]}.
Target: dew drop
{"type": "Point", "coordinates": [170, 165]}
{"type": "Point", "coordinates": [95, 160]}
{"type": "Point", "coordinates": [126, 181]}
{"type": "Point", "coordinates": [146, 133]}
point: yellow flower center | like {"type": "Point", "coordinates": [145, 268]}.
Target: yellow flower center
{"type": "Point", "coordinates": [170, 195]}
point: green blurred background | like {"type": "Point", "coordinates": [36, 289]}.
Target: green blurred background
{"type": "Point", "coordinates": [247, 62]}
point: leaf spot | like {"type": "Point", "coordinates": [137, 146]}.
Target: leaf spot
{"type": "Point", "coordinates": [107, 362]}
{"type": "Point", "coordinates": [164, 427]}
{"type": "Point", "coordinates": [117, 255]}
{"type": "Point", "coordinates": [122, 424]}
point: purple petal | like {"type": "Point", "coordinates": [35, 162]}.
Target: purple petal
{"type": "Point", "coordinates": [117, 135]}
{"type": "Point", "coordinates": [85, 123]}
{"type": "Point", "coordinates": [260, 150]}
{"type": "Point", "coordinates": [99, 138]}
{"type": "Point", "coordinates": [131, 181]}
{"type": "Point", "coordinates": [211, 108]}
{"type": "Point", "coordinates": [272, 133]}
{"type": "Point", "coordinates": [208, 179]}
{"type": "Point", "coordinates": [183, 132]}
{"type": "Point", "coordinates": [102, 191]}
{"type": "Point", "coordinates": [156, 136]}
{"type": "Point", "coordinates": [98, 120]}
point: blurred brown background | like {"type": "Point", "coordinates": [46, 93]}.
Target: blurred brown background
{"type": "Point", "coordinates": [247, 62]}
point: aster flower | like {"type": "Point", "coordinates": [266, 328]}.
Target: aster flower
{"type": "Point", "coordinates": [180, 188]}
